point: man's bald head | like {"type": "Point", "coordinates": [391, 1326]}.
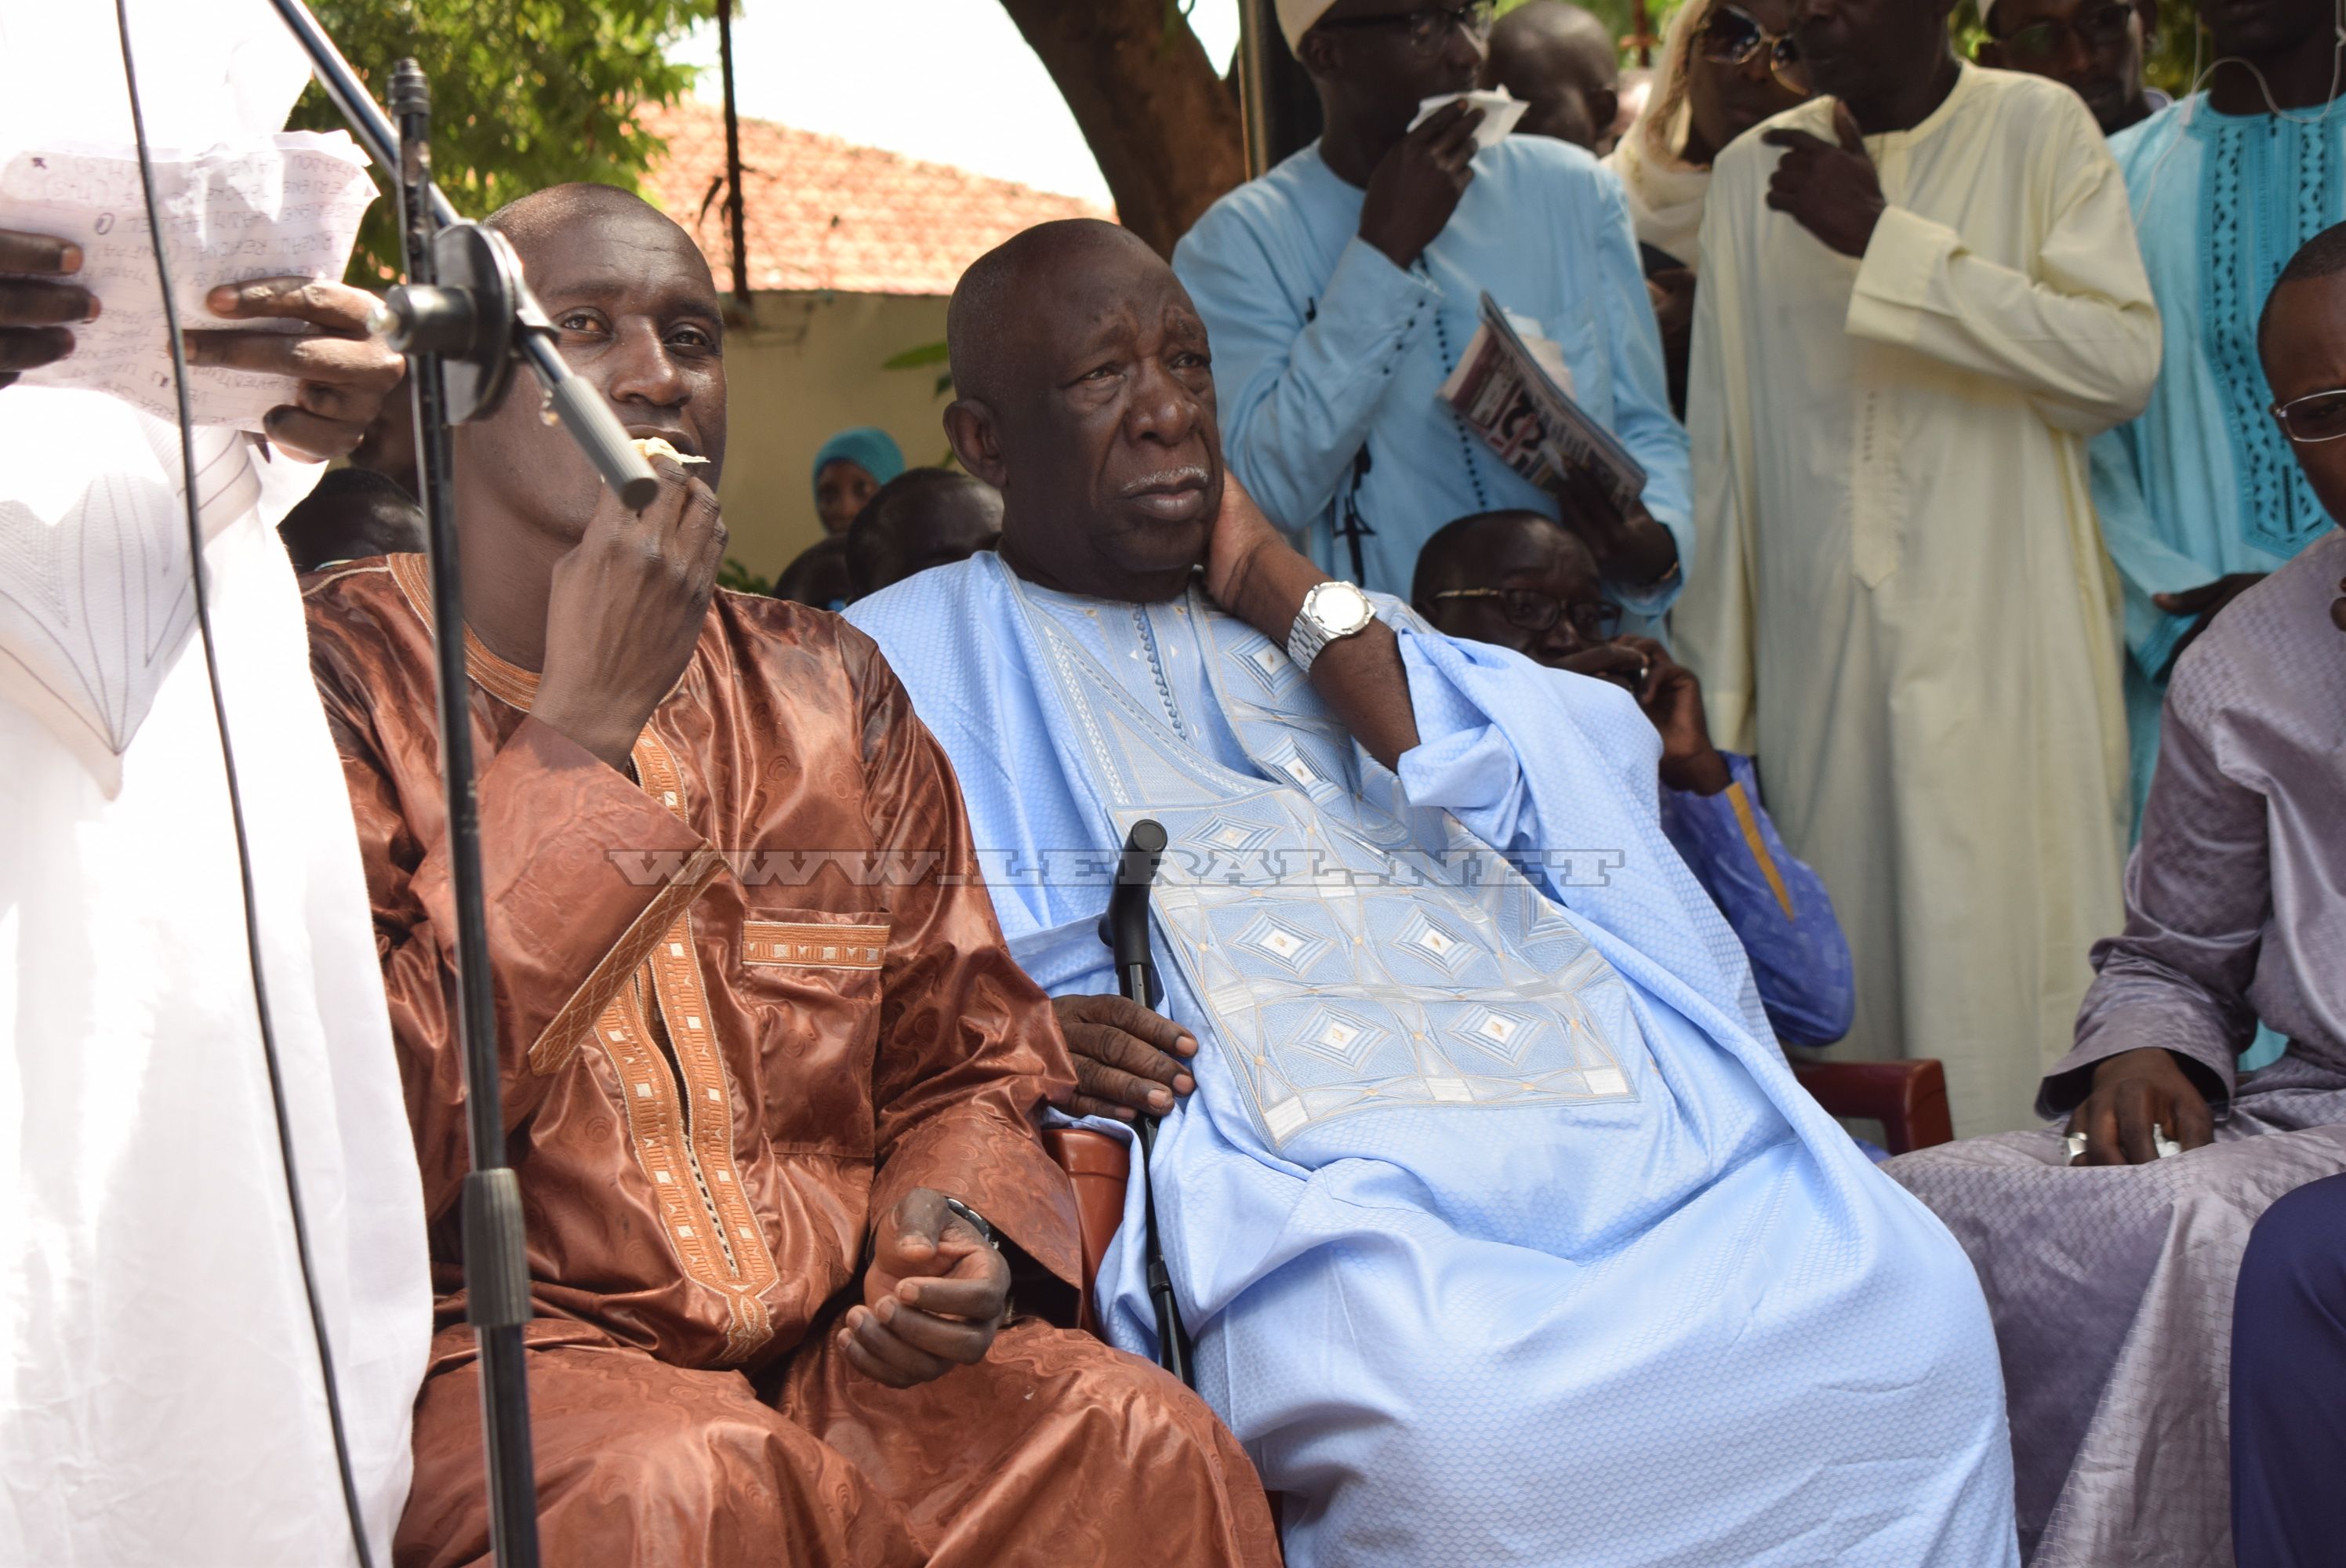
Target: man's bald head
{"type": "Point", "coordinates": [1518, 579]}
{"type": "Point", "coordinates": [1476, 551]}
{"type": "Point", "coordinates": [1563, 61]}
{"type": "Point", "coordinates": [1086, 397]}
{"type": "Point", "coordinates": [1577, 37]}
{"type": "Point", "coordinates": [556, 214]}
{"type": "Point", "coordinates": [987, 318]}
{"type": "Point", "coordinates": [923, 517]}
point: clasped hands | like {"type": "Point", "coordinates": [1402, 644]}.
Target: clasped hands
{"type": "Point", "coordinates": [340, 374]}
{"type": "Point", "coordinates": [934, 1298]}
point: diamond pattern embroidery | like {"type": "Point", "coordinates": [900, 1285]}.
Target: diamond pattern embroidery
{"type": "Point", "coordinates": [1267, 667]}
{"type": "Point", "coordinates": [1229, 833]}
{"type": "Point", "coordinates": [1502, 1034]}
{"type": "Point", "coordinates": [1295, 950]}
{"type": "Point", "coordinates": [1443, 947]}
{"type": "Point", "coordinates": [1347, 1038]}
{"type": "Point", "coordinates": [1342, 996]}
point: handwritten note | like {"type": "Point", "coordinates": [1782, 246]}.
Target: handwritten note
{"type": "Point", "coordinates": [286, 205]}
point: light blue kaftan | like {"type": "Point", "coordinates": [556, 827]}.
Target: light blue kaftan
{"type": "Point", "coordinates": [2203, 484]}
{"type": "Point", "coordinates": [1505, 1234]}
{"type": "Point", "coordinates": [1323, 348]}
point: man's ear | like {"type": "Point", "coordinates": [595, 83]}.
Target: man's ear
{"type": "Point", "coordinates": [1316, 55]}
{"type": "Point", "coordinates": [970, 426]}
{"type": "Point", "coordinates": [2148, 11]}
{"type": "Point", "coordinates": [1437, 612]}
{"type": "Point", "coordinates": [1604, 108]}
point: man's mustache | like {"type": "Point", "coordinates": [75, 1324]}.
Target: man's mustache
{"type": "Point", "coordinates": [1190, 476]}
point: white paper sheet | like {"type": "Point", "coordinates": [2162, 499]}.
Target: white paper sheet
{"type": "Point", "coordinates": [284, 206]}
{"type": "Point", "coordinates": [1501, 110]}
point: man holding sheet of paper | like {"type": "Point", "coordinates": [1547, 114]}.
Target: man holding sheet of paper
{"type": "Point", "coordinates": [166, 1399]}
{"type": "Point", "coordinates": [1343, 287]}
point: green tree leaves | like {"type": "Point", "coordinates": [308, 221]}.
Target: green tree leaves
{"type": "Point", "coordinates": [525, 94]}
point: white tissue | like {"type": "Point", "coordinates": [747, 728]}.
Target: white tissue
{"type": "Point", "coordinates": [1501, 110]}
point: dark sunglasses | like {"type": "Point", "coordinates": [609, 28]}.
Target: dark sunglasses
{"type": "Point", "coordinates": [2096, 29]}
{"type": "Point", "coordinates": [1732, 36]}
{"type": "Point", "coordinates": [1429, 26]}
{"type": "Point", "coordinates": [1597, 621]}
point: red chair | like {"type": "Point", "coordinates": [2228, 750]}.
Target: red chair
{"type": "Point", "coordinates": [1907, 1098]}
{"type": "Point", "coordinates": [1097, 1167]}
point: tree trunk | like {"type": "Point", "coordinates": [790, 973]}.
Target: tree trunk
{"type": "Point", "coordinates": [1152, 107]}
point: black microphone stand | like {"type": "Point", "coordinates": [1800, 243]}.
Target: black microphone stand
{"type": "Point", "coordinates": [464, 318]}
{"type": "Point", "coordinates": [1125, 929]}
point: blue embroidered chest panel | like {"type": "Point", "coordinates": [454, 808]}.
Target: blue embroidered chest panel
{"type": "Point", "coordinates": [1353, 953]}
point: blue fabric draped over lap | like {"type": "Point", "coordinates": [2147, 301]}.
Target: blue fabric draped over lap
{"type": "Point", "coordinates": [1505, 1233]}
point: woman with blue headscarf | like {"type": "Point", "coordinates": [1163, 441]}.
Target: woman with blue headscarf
{"type": "Point", "coordinates": [850, 468]}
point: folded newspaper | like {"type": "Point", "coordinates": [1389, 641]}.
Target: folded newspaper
{"type": "Point", "coordinates": [1514, 401]}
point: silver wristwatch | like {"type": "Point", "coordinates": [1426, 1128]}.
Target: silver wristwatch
{"type": "Point", "coordinates": [1331, 610]}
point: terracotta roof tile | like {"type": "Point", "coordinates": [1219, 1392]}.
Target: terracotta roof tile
{"type": "Point", "coordinates": [825, 213]}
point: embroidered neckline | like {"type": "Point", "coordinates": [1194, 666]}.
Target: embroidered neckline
{"type": "Point", "coordinates": [501, 679]}
{"type": "Point", "coordinates": [1155, 658]}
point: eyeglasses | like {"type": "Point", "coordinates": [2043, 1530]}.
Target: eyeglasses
{"type": "Point", "coordinates": [2096, 29]}
{"type": "Point", "coordinates": [1592, 620]}
{"type": "Point", "coordinates": [2315, 418]}
{"type": "Point", "coordinates": [1428, 27]}
{"type": "Point", "coordinates": [1732, 36]}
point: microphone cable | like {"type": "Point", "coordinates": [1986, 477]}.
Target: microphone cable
{"type": "Point", "coordinates": [236, 800]}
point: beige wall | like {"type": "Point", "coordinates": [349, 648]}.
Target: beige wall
{"type": "Point", "coordinates": [807, 368]}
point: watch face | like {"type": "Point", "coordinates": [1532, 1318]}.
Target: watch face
{"type": "Point", "coordinates": [1341, 608]}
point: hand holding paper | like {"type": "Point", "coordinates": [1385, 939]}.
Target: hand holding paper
{"type": "Point", "coordinates": [1514, 389]}
{"type": "Point", "coordinates": [285, 207]}
{"type": "Point", "coordinates": [341, 375]}
{"type": "Point", "coordinates": [37, 308]}
{"type": "Point", "coordinates": [96, 588]}
{"type": "Point", "coordinates": [1417, 185]}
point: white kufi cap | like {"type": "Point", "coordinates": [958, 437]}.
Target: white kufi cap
{"type": "Point", "coordinates": [1297, 16]}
